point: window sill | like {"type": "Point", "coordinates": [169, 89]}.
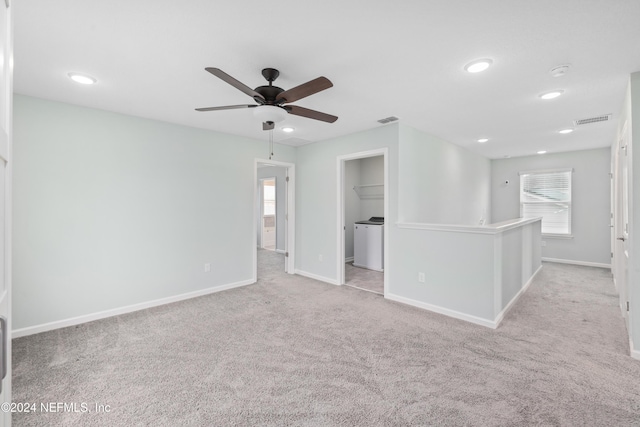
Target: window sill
{"type": "Point", "coordinates": [558, 236]}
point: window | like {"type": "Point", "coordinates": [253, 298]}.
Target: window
{"type": "Point", "coordinates": [269, 196]}
{"type": "Point", "coordinates": [547, 194]}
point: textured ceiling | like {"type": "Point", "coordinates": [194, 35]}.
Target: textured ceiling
{"type": "Point", "coordinates": [404, 59]}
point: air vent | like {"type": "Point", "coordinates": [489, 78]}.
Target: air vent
{"type": "Point", "coordinates": [596, 119]}
{"type": "Point", "coordinates": [388, 120]}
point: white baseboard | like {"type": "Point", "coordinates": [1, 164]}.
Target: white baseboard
{"type": "Point", "coordinates": [368, 268]}
{"type": "Point", "coordinates": [570, 261]}
{"type": "Point", "coordinates": [23, 332]}
{"type": "Point", "coordinates": [511, 303]}
{"type": "Point", "coordinates": [493, 324]}
{"type": "Point", "coordinates": [280, 251]}
{"type": "Point", "coordinates": [441, 310]}
{"type": "Point", "coordinates": [634, 353]}
{"type": "Point", "coordinates": [316, 277]}
{"type": "Point", "coordinates": [348, 259]}
{"type": "Point", "coordinates": [363, 289]}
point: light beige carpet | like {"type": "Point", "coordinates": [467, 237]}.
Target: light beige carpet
{"type": "Point", "coordinates": [291, 351]}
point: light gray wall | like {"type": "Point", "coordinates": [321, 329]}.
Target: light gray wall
{"type": "Point", "coordinates": [280, 174]}
{"type": "Point", "coordinates": [441, 183]}
{"type": "Point", "coordinates": [316, 195]}
{"type": "Point", "coordinates": [469, 275]}
{"type": "Point", "coordinates": [113, 210]}
{"type": "Point", "coordinates": [458, 267]}
{"type": "Point", "coordinates": [351, 203]}
{"type": "Point", "coordinates": [590, 209]}
{"type": "Point", "coordinates": [316, 204]}
{"type": "Point", "coordinates": [372, 172]}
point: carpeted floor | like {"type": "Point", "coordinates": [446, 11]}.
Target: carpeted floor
{"type": "Point", "coordinates": [291, 351]}
{"type": "Point", "coordinates": [363, 278]}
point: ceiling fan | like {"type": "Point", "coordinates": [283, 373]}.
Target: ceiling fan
{"type": "Point", "coordinates": [271, 99]}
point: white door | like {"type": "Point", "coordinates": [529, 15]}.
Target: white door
{"type": "Point", "coordinates": [621, 220]}
{"type": "Point", "coordinates": [6, 109]}
{"type": "Point", "coordinates": [286, 220]}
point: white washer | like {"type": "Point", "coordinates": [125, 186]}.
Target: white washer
{"type": "Point", "coordinates": [368, 244]}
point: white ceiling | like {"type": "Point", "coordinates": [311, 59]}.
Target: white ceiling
{"type": "Point", "coordinates": [403, 58]}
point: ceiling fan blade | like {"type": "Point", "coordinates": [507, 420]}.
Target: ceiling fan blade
{"type": "Point", "coordinates": [310, 114]}
{"type": "Point", "coordinates": [235, 83]}
{"type": "Point", "coordinates": [268, 125]}
{"type": "Point", "coordinates": [226, 107]}
{"type": "Point", "coordinates": [304, 90]}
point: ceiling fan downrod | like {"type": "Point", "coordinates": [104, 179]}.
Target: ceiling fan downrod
{"type": "Point", "coordinates": [271, 74]}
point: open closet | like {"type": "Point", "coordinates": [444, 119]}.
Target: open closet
{"type": "Point", "coordinates": [364, 223]}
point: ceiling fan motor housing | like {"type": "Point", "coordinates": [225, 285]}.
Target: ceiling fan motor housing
{"type": "Point", "coordinates": [269, 93]}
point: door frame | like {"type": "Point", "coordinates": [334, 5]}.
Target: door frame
{"type": "Point", "coordinates": [6, 153]}
{"type": "Point", "coordinates": [290, 214]}
{"type": "Point", "coordinates": [384, 152]}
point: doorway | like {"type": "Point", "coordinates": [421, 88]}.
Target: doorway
{"type": "Point", "coordinates": [268, 220]}
{"type": "Point", "coordinates": [274, 216]}
{"type": "Point", "coordinates": [363, 207]}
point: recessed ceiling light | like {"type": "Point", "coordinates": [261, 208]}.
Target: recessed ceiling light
{"type": "Point", "coordinates": [560, 70]}
{"type": "Point", "coordinates": [552, 94]}
{"type": "Point", "coordinates": [565, 131]}
{"type": "Point", "coordinates": [482, 140]}
{"type": "Point", "coordinates": [82, 78]}
{"type": "Point", "coordinates": [542, 152]}
{"type": "Point", "coordinates": [288, 129]}
{"type": "Point", "coordinates": [479, 65]}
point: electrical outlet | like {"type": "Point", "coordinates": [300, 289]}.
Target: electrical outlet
{"type": "Point", "coordinates": [207, 267]}
{"type": "Point", "coordinates": [320, 257]}
{"type": "Point", "coordinates": [421, 277]}
{"type": "Point", "coordinates": [544, 243]}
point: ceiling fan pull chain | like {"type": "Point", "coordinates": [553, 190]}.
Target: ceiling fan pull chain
{"type": "Point", "coordinates": [270, 144]}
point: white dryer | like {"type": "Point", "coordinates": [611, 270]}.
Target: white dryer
{"type": "Point", "coordinates": [368, 244]}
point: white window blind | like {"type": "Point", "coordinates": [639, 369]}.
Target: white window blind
{"type": "Point", "coordinates": [547, 194]}
{"type": "Point", "coordinates": [269, 197]}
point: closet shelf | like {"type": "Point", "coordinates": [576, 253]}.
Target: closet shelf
{"type": "Point", "coordinates": [370, 191]}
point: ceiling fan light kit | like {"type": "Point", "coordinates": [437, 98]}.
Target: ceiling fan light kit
{"type": "Point", "coordinates": [270, 113]}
